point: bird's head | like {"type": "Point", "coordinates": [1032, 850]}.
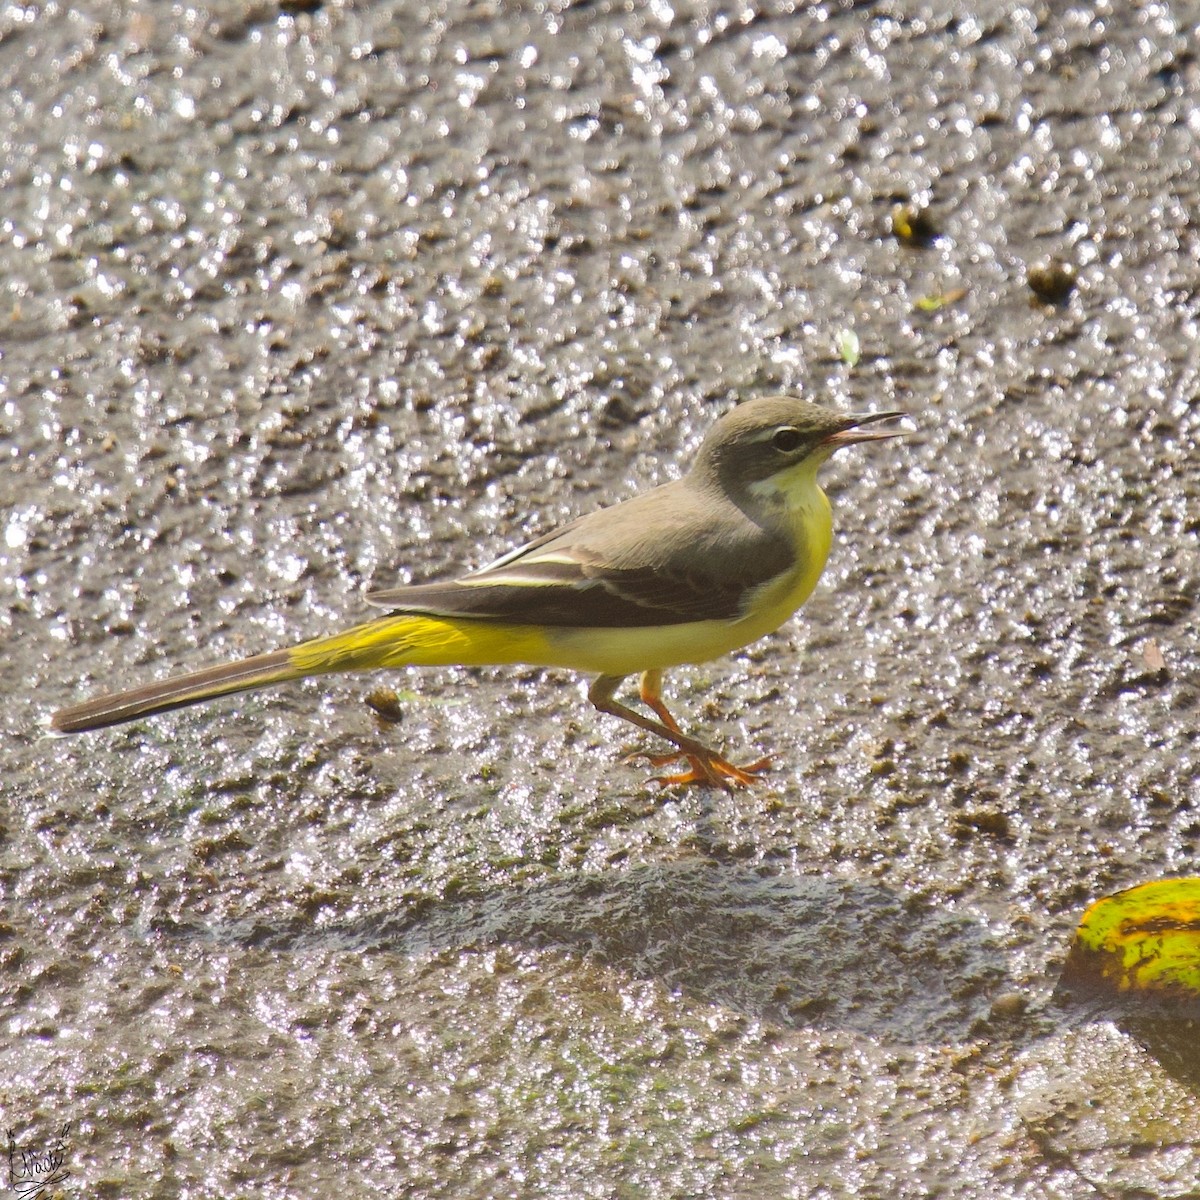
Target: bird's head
{"type": "Point", "coordinates": [768, 445]}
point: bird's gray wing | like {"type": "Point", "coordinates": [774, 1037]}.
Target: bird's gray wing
{"type": "Point", "coordinates": [666, 557]}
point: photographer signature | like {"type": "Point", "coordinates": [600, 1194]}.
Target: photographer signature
{"type": "Point", "coordinates": [31, 1172]}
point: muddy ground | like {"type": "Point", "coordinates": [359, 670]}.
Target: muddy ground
{"type": "Point", "coordinates": [300, 299]}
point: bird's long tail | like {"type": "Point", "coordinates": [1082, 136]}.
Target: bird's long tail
{"type": "Point", "coordinates": [395, 641]}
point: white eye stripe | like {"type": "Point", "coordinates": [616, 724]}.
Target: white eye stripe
{"type": "Point", "coordinates": [765, 435]}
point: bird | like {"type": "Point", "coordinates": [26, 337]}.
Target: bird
{"type": "Point", "coordinates": [680, 574]}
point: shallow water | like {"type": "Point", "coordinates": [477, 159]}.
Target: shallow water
{"type": "Point", "coordinates": [295, 302]}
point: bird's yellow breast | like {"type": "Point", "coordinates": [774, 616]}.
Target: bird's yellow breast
{"type": "Point", "coordinates": [812, 536]}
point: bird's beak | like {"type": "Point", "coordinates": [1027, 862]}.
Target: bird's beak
{"type": "Point", "coordinates": [855, 433]}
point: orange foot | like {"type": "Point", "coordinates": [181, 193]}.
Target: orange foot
{"type": "Point", "coordinates": [713, 771]}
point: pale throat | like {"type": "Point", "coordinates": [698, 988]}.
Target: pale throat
{"type": "Point", "coordinates": [794, 489]}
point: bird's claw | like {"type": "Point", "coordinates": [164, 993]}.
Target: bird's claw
{"type": "Point", "coordinates": [711, 770]}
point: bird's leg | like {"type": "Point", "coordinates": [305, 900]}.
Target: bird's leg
{"type": "Point", "coordinates": [705, 764]}
{"type": "Point", "coordinates": [601, 694]}
{"type": "Point", "coordinates": [650, 694]}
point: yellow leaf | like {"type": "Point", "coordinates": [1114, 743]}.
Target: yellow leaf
{"type": "Point", "coordinates": [1140, 949]}
{"type": "Point", "coordinates": [933, 303]}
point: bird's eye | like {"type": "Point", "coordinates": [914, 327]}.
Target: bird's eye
{"type": "Point", "coordinates": [787, 439]}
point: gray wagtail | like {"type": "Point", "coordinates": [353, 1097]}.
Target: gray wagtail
{"type": "Point", "coordinates": [681, 574]}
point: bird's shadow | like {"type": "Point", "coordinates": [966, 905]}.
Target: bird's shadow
{"type": "Point", "coordinates": [798, 951]}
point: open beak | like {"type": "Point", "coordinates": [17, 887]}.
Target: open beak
{"type": "Point", "coordinates": [855, 433]}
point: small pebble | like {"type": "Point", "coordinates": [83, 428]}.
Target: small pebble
{"type": "Point", "coordinates": [1052, 280]}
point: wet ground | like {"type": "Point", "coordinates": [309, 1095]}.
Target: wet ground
{"type": "Point", "coordinates": [298, 299]}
